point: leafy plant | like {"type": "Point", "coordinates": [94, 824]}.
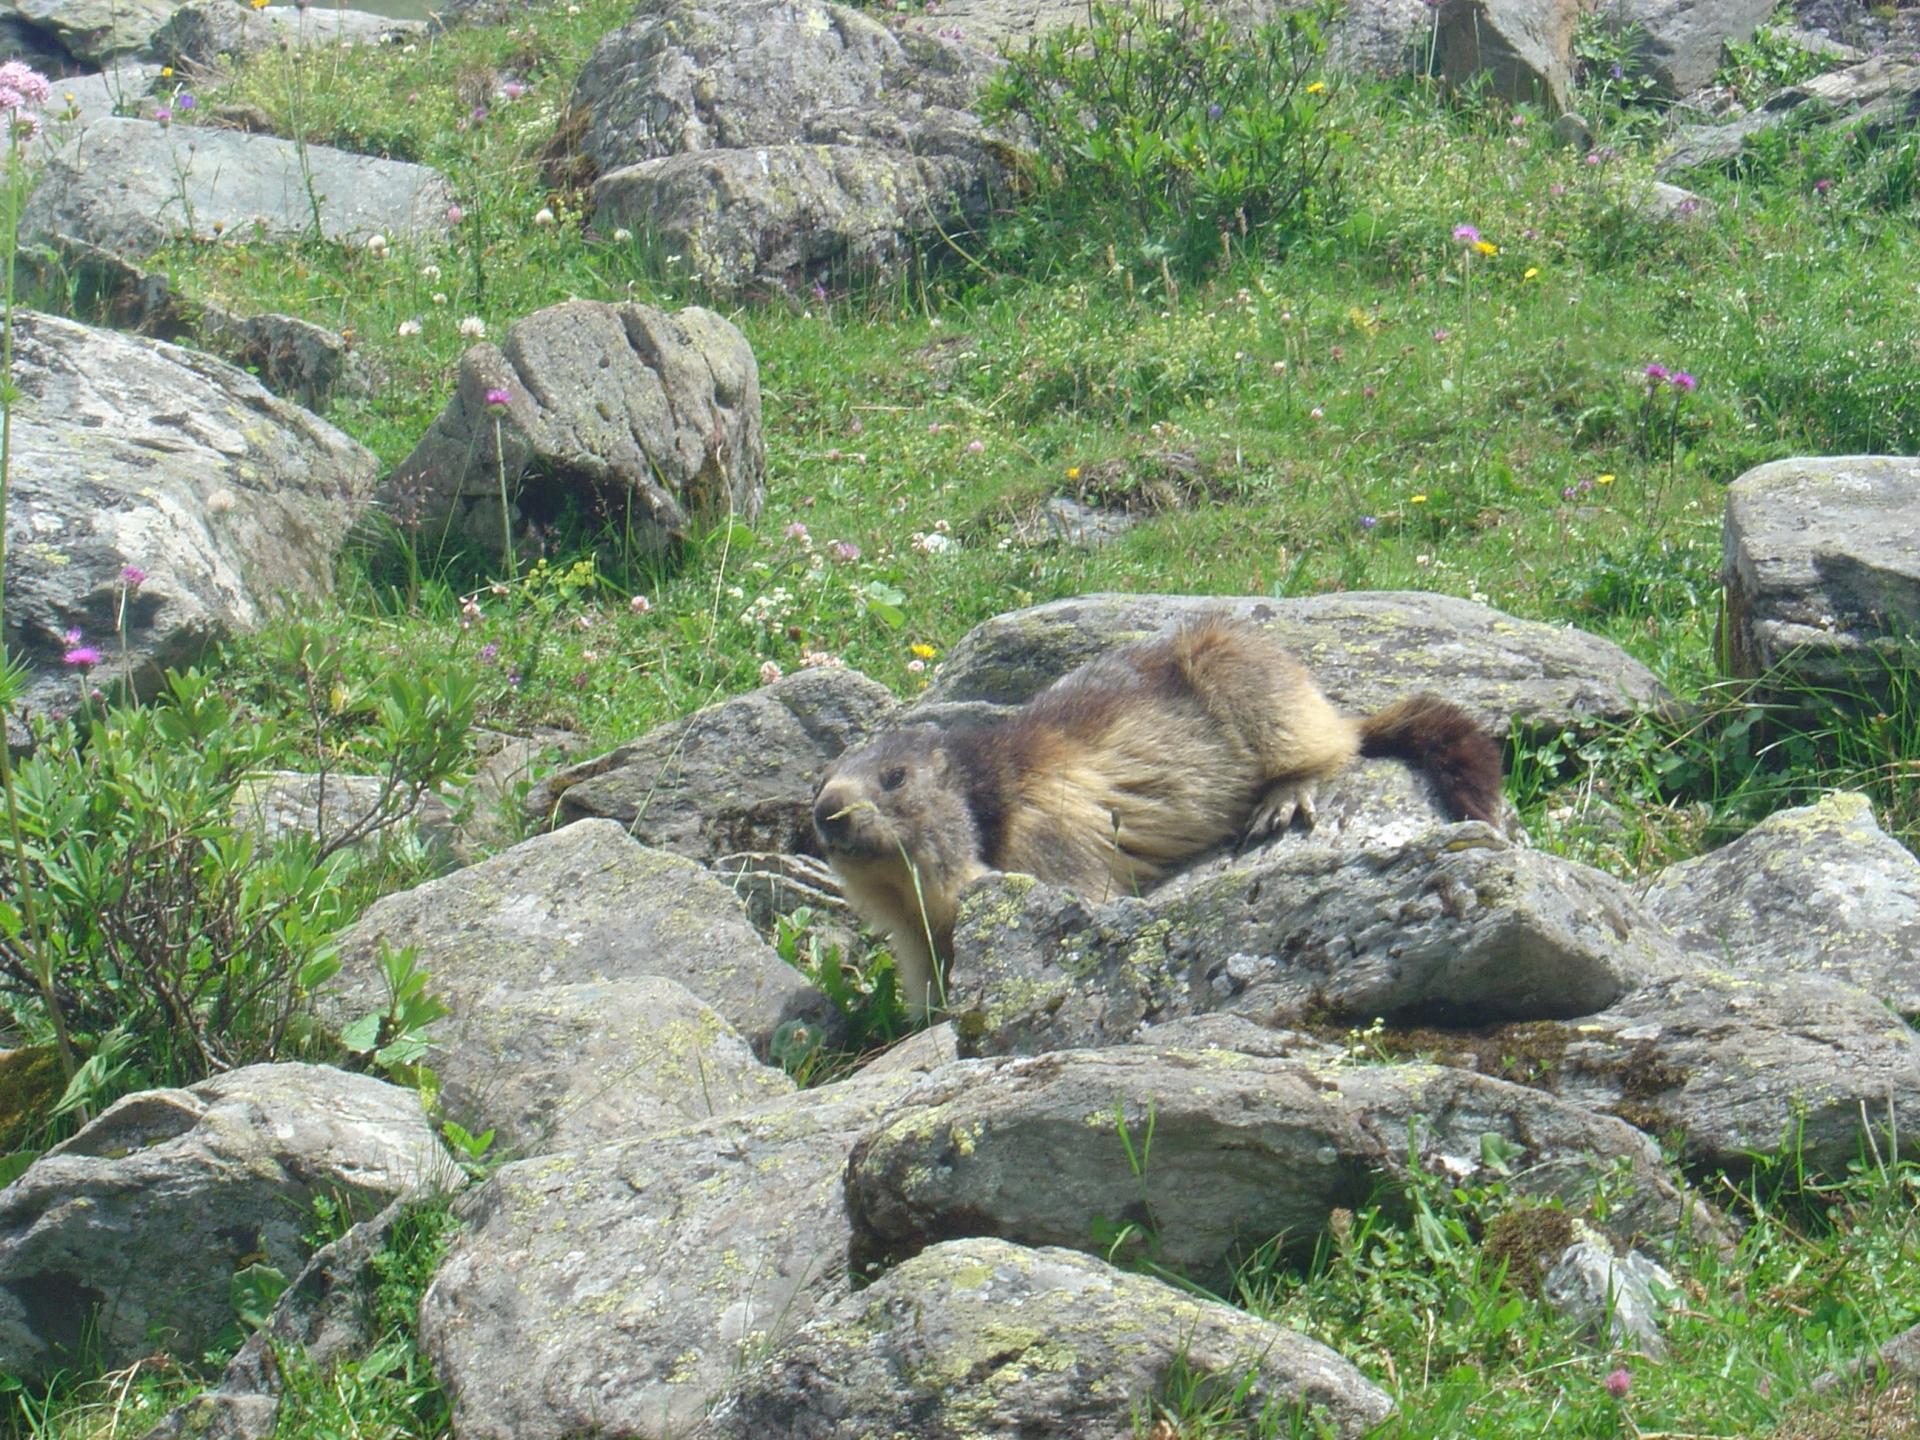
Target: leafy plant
{"type": "Point", "coordinates": [869, 997]}
{"type": "Point", "coordinates": [1772, 60]}
{"type": "Point", "coordinates": [1172, 131]}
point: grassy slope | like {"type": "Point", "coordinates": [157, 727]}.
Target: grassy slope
{"type": "Point", "coordinates": [1257, 419]}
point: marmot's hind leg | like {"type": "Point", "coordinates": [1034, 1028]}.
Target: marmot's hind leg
{"type": "Point", "coordinates": [1282, 803]}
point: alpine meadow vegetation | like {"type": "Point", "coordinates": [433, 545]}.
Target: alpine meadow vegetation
{"type": "Point", "coordinates": [1309, 332]}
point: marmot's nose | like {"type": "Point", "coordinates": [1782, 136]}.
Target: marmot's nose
{"type": "Point", "coordinates": [830, 814]}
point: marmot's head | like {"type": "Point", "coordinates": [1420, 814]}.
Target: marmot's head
{"type": "Point", "coordinates": [898, 798]}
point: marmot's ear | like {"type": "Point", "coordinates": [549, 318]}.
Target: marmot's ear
{"type": "Point", "coordinates": [938, 759]}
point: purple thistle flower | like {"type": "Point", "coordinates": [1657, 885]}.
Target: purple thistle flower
{"type": "Point", "coordinates": [83, 657]}
{"type": "Point", "coordinates": [1619, 1382]}
{"type": "Point", "coordinates": [163, 115]}
{"type": "Point", "coordinates": [1568, 492]}
{"type": "Point", "coordinates": [72, 637]}
{"type": "Point", "coordinates": [1683, 382]}
{"type": "Point", "coordinates": [489, 653]}
{"type": "Point", "coordinates": [132, 576]}
{"type": "Point", "coordinates": [1466, 235]}
{"type": "Point", "coordinates": [499, 400]}
{"type": "Point", "coordinates": [1657, 375]}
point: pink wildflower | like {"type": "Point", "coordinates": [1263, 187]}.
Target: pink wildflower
{"type": "Point", "coordinates": [1619, 1382]}
{"type": "Point", "coordinates": [1466, 235]}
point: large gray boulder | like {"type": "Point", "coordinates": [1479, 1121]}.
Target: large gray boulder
{"type": "Point", "coordinates": [132, 452]}
{"type": "Point", "coordinates": [1524, 48]}
{"type": "Point", "coordinates": [739, 775]}
{"type": "Point", "coordinates": [563, 1066]}
{"type": "Point", "coordinates": [1819, 890]}
{"type": "Point", "coordinates": [131, 1232]}
{"type": "Point", "coordinates": [204, 33]}
{"type": "Point", "coordinates": [134, 185]}
{"type": "Point", "coordinates": [757, 141]}
{"type": "Point", "coordinates": [1683, 42]}
{"type": "Point", "coordinates": [1459, 926]}
{"type": "Point", "coordinates": [647, 417]}
{"type": "Point", "coordinates": [617, 1290]}
{"type": "Point", "coordinates": [1197, 1158]}
{"type": "Point", "coordinates": [1366, 649]}
{"type": "Point", "coordinates": [979, 1338]}
{"type": "Point", "coordinates": [89, 32]}
{"type": "Point", "coordinates": [1822, 572]}
{"type": "Point", "coordinates": [584, 905]}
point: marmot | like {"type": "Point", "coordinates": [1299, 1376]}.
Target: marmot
{"type": "Point", "coordinates": [1141, 759]}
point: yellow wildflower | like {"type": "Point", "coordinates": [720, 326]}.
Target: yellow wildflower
{"type": "Point", "coordinates": [1073, 472]}
{"type": "Point", "coordinates": [1486, 247]}
{"type": "Point", "coordinates": [1603, 479]}
{"type": "Point", "coordinates": [1316, 87]}
{"type": "Point", "coordinates": [166, 72]}
{"type": "Point", "coordinates": [925, 652]}
{"type": "Point", "coordinates": [1532, 272]}
{"type": "Point", "coordinates": [1417, 500]}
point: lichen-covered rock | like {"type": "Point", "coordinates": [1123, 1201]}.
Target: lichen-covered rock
{"type": "Point", "coordinates": [1458, 926]}
{"type": "Point", "coordinates": [570, 1065]}
{"type": "Point", "coordinates": [134, 185]}
{"type": "Point", "coordinates": [649, 418]}
{"type": "Point", "coordinates": [129, 1234]}
{"type": "Point", "coordinates": [1618, 1297]}
{"type": "Point", "coordinates": [1198, 1157]}
{"type": "Point", "coordinates": [1739, 1066]}
{"type": "Point", "coordinates": [583, 905]}
{"type": "Point", "coordinates": [1365, 649]}
{"type": "Point", "coordinates": [979, 1338]}
{"type": "Point", "coordinates": [329, 808]}
{"type": "Point", "coordinates": [739, 775]}
{"type": "Point", "coordinates": [1819, 890]}
{"type": "Point", "coordinates": [1822, 572]}
{"type": "Point", "coordinates": [89, 32]}
{"type": "Point", "coordinates": [762, 141]}
{"type": "Point", "coordinates": [131, 452]}
{"type": "Point", "coordinates": [617, 1290]}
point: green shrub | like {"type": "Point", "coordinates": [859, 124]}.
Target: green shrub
{"type": "Point", "coordinates": [1772, 60]}
{"type": "Point", "coordinates": [174, 940]}
{"type": "Point", "coordinates": [1170, 133]}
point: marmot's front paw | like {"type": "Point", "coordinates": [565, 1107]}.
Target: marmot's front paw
{"type": "Point", "coordinates": [1284, 802]}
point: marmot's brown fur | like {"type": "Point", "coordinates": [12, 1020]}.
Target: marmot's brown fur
{"type": "Point", "coordinates": [1137, 761]}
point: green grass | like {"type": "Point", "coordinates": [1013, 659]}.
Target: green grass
{"type": "Point", "coordinates": [1487, 416]}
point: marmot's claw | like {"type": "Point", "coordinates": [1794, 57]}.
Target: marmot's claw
{"type": "Point", "coordinates": [1284, 802]}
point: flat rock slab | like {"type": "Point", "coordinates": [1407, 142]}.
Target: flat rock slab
{"type": "Point", "coordinates": [582, 905]}
{"type": "Point", "coordinates": [981, 1338]}
{"type": "Point", "coordinates": [1365, 649]}
{"type": "Point", "coordinates": [736, 776]}
{"type": "Point", "coordinates": [1820, 890]}
{"type": "Point", "coordinates": [572, 1065]}
{"type": "Point", "coordinates": [1736, 1066]}
{"type": "Point", "coordinates": [134, 452]}
{"type": "Point", "coordinates": [1243, 1150]}
{"type": "Point", "coordinates": [1458, 926]}
{"type": "Point", "coordinates": [131, 1231]}
{"type": "Point", "coordinates": [618, 1290]}
{"type": "Point", "coordinates": [647, 417]}
{"type": "Point", "coordinates": [1681, 41]}
{"type": "Point", "coordinates": [134, 185]}
{"type": "Point", "coordinates": [1822, 572]}
{"type": "Point", "coordinates": [91, 31]}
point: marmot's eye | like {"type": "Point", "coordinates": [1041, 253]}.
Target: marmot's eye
{"type": "Point", "coordinates": [893, 779]}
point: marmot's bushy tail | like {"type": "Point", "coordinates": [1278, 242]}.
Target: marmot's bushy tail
{"type": "Point", "coordinates": [1462, 759]}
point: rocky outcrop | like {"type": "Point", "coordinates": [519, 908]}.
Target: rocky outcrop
{"type": "Point", "coordinates": [134, 185]}
{"type": "Point", "coordinates": [648, 419]}
{"type": "Point", "coordinates": [585, 905]}
{"type": "Point", "coordinates": [1365, 650]}
{"type": "Point", "coordinates": [756, 142]}
{"type": "Point", "coordinates": [1822, 573]}
{"type": "Point", "coordinates": [1876, 98]}
{"type": "Point", "coordinates": [739, 775]}
{"type": "Point", "coordinates": [1818, 891]}
{"type": "Point", "coordinates": [87, 33]}
{"type": "Point", "coordinates": [134, 453]}
{"type": "Point", "coordinates": [130, 1233]}
{"type": "Point", "coordinates": [1195, 1159]}
{"type": "Point", "coordinates": [1458, 925]}
{"type": "Point", "coordinates": [618, 1290]}
{"type": "Point", "coordinates": [336, 810]}
{"type": "Point", "coordinates": [1051, 1344]}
